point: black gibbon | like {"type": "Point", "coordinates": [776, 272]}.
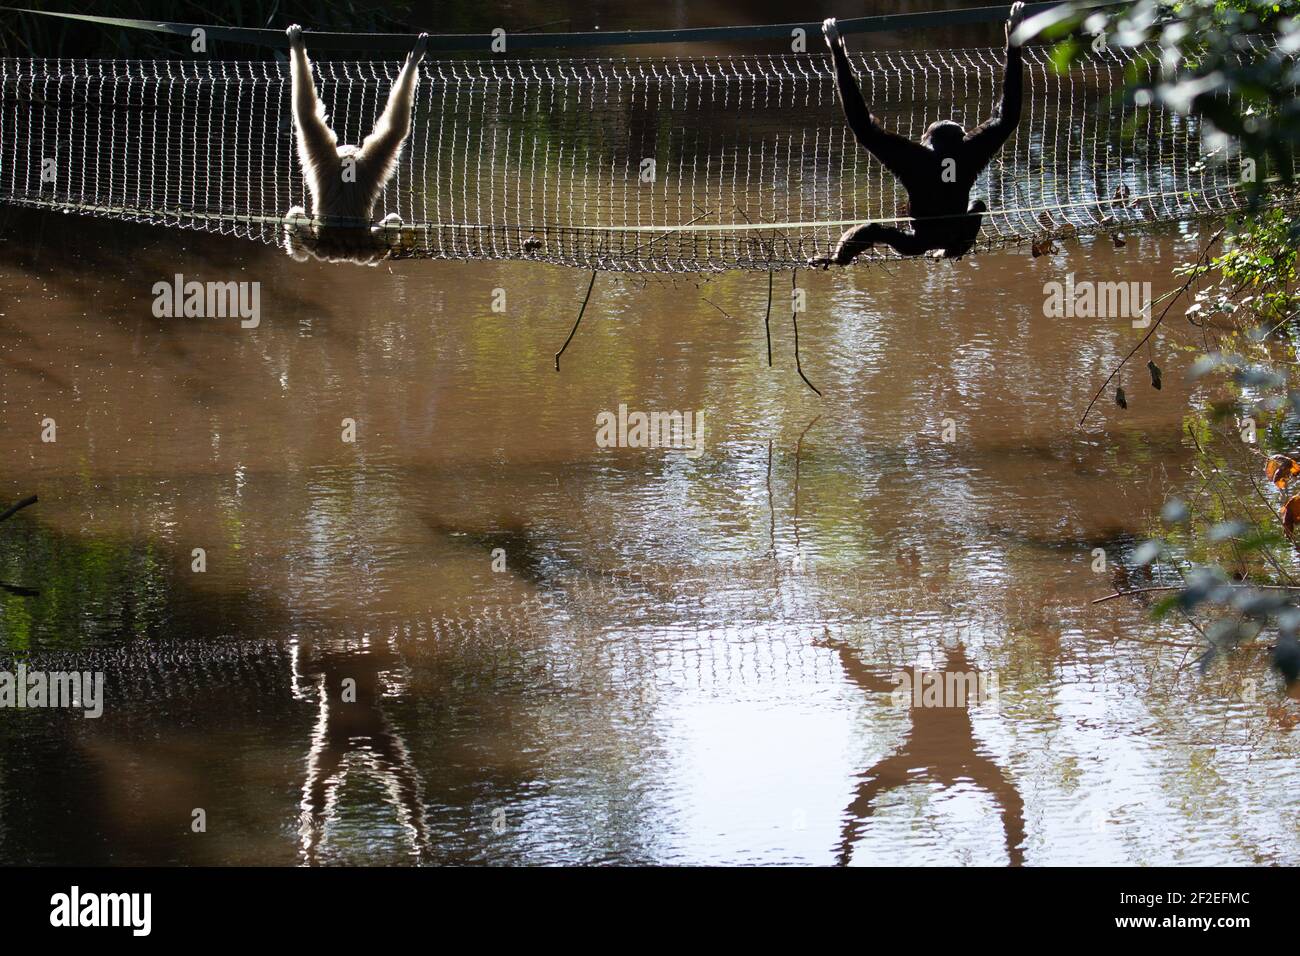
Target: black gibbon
{"type": "Point", "coordinates": [938, 172]}
{"type": "Point", "coordinates": [345, 181]}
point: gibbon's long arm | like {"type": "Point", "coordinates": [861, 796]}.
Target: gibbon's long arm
{"type": "Point", "coordinates": [983, 142]}
{"type": "Point", "coordinates": [345, 182]}
{"type": "Point", "coordinates": [383, 144]}
{"type": "Point", "coordinates": [866, 678]}
{"type": "Point", "coordinates": [315, 138]}
{"type": "Point", "coordinates": [897, 153]}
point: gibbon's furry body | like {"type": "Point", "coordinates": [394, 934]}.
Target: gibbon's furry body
{"type": "Point", "coordinates": [938, 172]}
{"type": "Point", "coordinates": [345, 181]}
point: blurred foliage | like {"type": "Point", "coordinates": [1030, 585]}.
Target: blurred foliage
{"type": "Point", "coordinates": [63, 592]}
{"type": "Point", "coordinates": [1230, 543]}
{"type": "Point", "coordinates": [1228, 556]}
{"type": "Point", "coordinates": [1230, 63]}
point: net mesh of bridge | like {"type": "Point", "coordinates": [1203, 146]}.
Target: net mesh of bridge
{"type": "Point", "coordinates": [652, 165]}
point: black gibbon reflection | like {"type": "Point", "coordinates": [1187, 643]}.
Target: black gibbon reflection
{"type": "Point", "coordinates": [940, 747]}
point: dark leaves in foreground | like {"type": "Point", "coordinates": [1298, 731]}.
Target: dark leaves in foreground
{"type": "Point", "coordinates": [1154, 369]}
{"type": "Point", "coordinates": [1120, 400]}
{"type": "Point", "coordinates": [1286, 658]}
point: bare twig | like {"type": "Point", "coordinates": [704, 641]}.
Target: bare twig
{"type": "Point", "coordinates": [718, 307]}
{"type": "Point", "coordinates": [573, 331]}
{"type": "Point", "coordinates": [1179, 587]}
{"type": "Point", "coordinates": [18, 507]}
{"type": "Point", "coordinates": [1193, 275]}
{"type": "Point", "coordinates": [794, 319]}
{"type": "Point", "coordinates": [767, 319]}
{"type": "Point", "coordinates": [798, 461]}
{"type": "Point", "coordinates": [771, 505]}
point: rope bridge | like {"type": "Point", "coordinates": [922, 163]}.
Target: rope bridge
{"type": "Point", "coordinates": [647, 165]}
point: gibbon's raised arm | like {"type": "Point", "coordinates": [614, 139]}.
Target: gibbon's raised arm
{"type": "Point", "coordinates": [866, 678]}
{"type": "Point", "coordinates": [986, 139]}
{"type": "Point", "coordinates": [897, 153]}
{"type": "Point", "coordinates": [315, 138]}
{"type": "Point", "coordinates": [345, 182]}
{"type": "Point", "coordinates": [391, 129]}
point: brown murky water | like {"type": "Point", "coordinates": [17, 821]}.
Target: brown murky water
{"type": "Point", "coordinates": [685, 659]}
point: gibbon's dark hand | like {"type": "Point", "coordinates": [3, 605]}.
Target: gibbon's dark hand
{"type": "Point", "coordinates": [421, 44]}
{"type": "Point", "coordinates": [295, 37]}
{"type": "Point", "coordinates": [1014, 19]}
{"type": "Point", "coordinates": [831, 31]}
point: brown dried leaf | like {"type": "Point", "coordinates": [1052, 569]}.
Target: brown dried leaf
{"type": "Point", "coordinates": [1280, 469]}
{"type": "Point", "coordinates": [1289, 512]}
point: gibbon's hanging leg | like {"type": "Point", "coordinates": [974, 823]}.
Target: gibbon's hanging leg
{"type": "Point", "coordinates": [859, 239]}
{"type": "Point", "coordinates": [938, 173]}
{"type": "Point", "coordinates": [959, 239]}
{"type": "Point", "coordinates": [345, 182]}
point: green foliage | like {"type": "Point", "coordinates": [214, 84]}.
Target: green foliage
{"type": "Point", "coordinates": [1231, 63]}
{"type": "Point", "coordinates": [1226, 544]}
{"type": "Point", "coordinates": [1202, 62]}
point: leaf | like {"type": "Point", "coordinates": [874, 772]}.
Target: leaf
{"type": "Point", "coordinates": [1120, 400]}
{"type": "Point", "coordinates": [1290, 511]}
{"type": "Point", "coordinates": [1164, 606]}
{"type": "Point", "coordinates": [1154, 369]}
{"type": "Point", "coordinates": [1119, 240]}
{"type": "Point", "coordinates": [1042, 247]}
{"type": "Point", "coordinates": [1055, 21]}
{"type": "Point", "coordinates": [1280, 469]}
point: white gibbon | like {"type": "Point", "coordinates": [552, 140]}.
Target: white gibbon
{"type": "Point", "coordinates": [345, 181]}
